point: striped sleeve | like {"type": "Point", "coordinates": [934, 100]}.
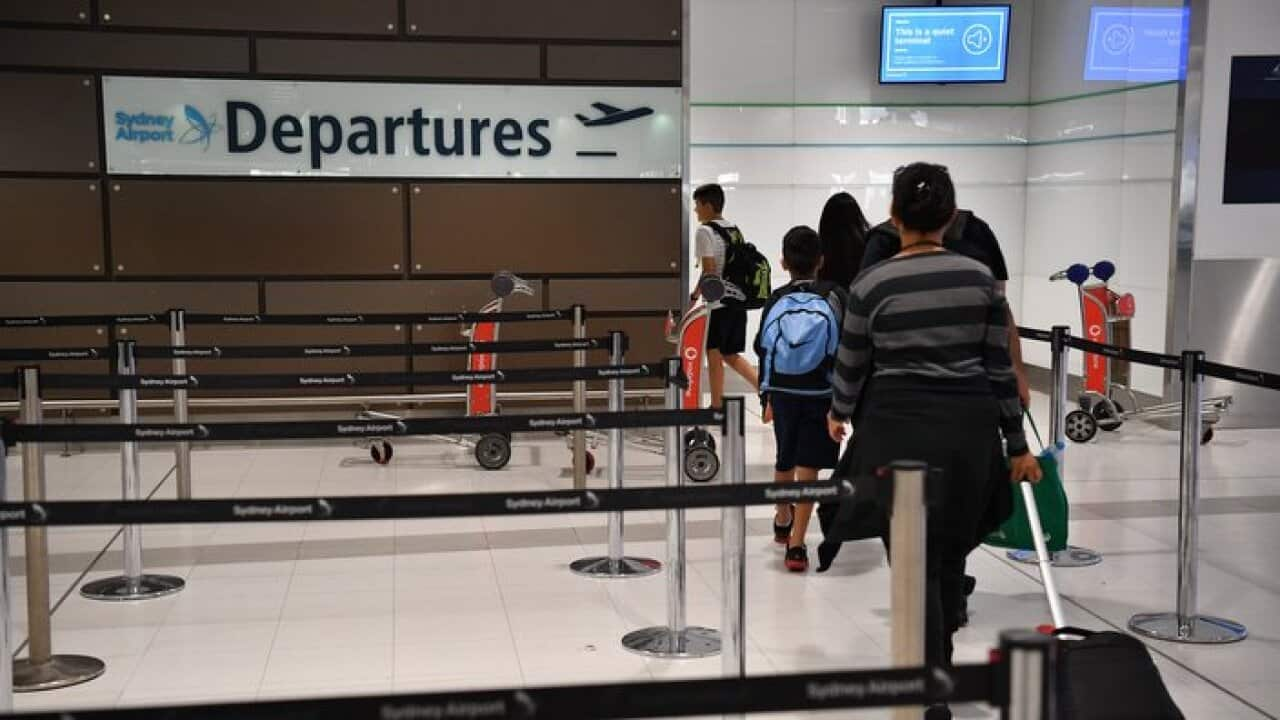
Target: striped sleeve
{"type": "Point", "coordinates": [1000, 373]}
{"type": "Point", "coordinates": [853, 358]}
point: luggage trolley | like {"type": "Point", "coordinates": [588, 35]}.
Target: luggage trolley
{"type": "Point", "coordinates": [1108, 399]}
{"type": "Point", "coordinates": [700, 462]}
{"type": "Point", "coordinates": [492, 450]}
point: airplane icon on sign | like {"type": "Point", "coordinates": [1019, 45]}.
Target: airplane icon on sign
{"type": "Point", "coordinates": [612, 115]}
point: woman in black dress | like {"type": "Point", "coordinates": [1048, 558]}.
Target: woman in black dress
{"type": "Point", "coordinates": [930, 326]}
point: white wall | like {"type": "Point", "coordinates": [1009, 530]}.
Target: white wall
{"type": "Point", "coordinates": [1100, 167]}
{"type": "Point", "coordinates": [1236, 27]}
{"type": "Point", "coordinates": [787, 110]}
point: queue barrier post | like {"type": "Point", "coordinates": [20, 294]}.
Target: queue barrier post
{"type": "Point", "coordinates": [615, 564]}
{"type": "Point", "coordinates": [1185, 624]}
{"type": "Point", "coordinates": [181, 408]}
{"type": "Point", "coordinates": [579, 401]}
{"type": "Point", "coordinates": [41, 669]}
{"type": "Point", "coordinates": [1073, 556]}
{"type": "Point", "coordinates": [675, 639]}
{"type": "Point", "coordinates": [6, 641]}
{"type": "Point", "coordinates": [733, 539]}
{"type": "Point", "coordinates": [907, 550]}
{"type": "Point", "coordinates": [1030, 659]}
{"type": "Point", "coordinates": [133, 584]}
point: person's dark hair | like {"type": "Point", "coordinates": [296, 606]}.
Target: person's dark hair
{"type": "Point", "coordinates": [924, 199]}
{"type": "Point", "coordinates": [843, 229]}
{"type": "Point", "coordinates": [801, 249]}
{"type": "Point", "coordinates": [711, 194]}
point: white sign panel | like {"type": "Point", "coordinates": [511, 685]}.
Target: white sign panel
{"type": "Point", "coordinates": [168, 126]}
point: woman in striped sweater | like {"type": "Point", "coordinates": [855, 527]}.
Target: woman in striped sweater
{"type": "Point", "coordinates": [924, 365]}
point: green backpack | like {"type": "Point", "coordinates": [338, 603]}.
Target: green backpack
{"type": "Point", "coordinates": [1051, 500]}
{"type": "Point", "coordinates": [744, 267]}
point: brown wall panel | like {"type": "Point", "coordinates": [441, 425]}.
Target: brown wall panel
{"type": "Point", "coordinates": [48, 123]}
{"type": "Point", "coordinates": [120, 51]}
{"type": "Point", "coordinates": [546, 228]}
{"type": "Point", "coordinates": [98, 298]}
{"type": "Point", "coordinates": [55, 227]}
{"type": "Point", "coordinates": [45, 11]}
{"type": "Point", "coordinates": [617, 294]}
{"type": "Point", "coordinates": [645, 334]}
{"type": "Point", "coordinates": [365, 17]}
{"type": "Point", "coordinates": [559, 19]}
{"type": "Point", "coordinates": [421, 296]}
{"type": "Point", "coordinates": [254, 228]}
{"type": "Point", "coordinates": [598, 62]}
{"type": "Point", "coordinates": [448, 295]}
{"type": "Point", "coordinates": [66, 337]}
{"type": "Point", "coordinates": [648, 343]}
{"type": "Point", "coordinates": [407, 59]}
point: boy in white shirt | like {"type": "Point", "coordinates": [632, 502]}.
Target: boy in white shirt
{"type": "Point", "coordinates": [727, 328]}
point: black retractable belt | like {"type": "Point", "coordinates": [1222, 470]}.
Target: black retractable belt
{"type": "Point", "coordinates": [368, 350]}
{"type": "Point", "coordinates": [1257, 378]}
{"type": "Point", "coordinates": [1142, 357]}
{"type": "Point", "coordinates": [379, 318]}
{"type": "Point", "coordinates": [331, 380]}
{"type": "Point", "coordinates": [616, 314]}
{"type": "Point", "coordinates": [403, 507]}
{"type": "Point", "coordinates": [669, 698]}
{"type": "Point", "coordinates": [36, 354]}
{"type": "Point", "coordinates": [1035, 334]}
{"type": "Point", "coordinates": [321, 429]}
{"type": "Point", "coordinates": [36, 321]}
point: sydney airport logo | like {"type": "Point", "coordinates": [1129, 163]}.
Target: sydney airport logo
{"type": "Point", "coordinates": [142, 127]}
{"type": "Point", "coordinates": [250, 128]}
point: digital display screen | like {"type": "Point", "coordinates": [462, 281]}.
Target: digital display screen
{"type": "Point", "coordinates": [953, 44]}
{"type": "Point", "coordinates": [1252, 172]}
{"type": "Point", "coordinates": [1136, 44]}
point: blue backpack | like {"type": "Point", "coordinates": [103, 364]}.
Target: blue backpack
{"type": "Point", "coordinates": [799, 334]}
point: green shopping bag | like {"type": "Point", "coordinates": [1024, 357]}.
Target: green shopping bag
{"type": "Point", "coordinates": [1051, 501]}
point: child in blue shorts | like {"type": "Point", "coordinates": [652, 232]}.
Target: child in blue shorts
{"type": "Point", "coordinates": [797, 342]}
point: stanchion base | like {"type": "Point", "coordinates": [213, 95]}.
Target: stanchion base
{"type": "Point", "coordinates": [694, 642]}
{"type": "Point", "coordinates": [1071, 557]}
{"type": "Point", "coordinates": [1201, 630]}
{"type": "Point", "coordinates": [58, 672]}
{"type": "Point", "coordinates": [623, 567]}
{"type": "Point", "coordinates": [124, 589]}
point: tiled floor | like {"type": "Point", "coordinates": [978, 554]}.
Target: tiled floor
{"type": "Point", "coordinates": [289, 610]}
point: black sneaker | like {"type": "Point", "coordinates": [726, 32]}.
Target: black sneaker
{"type": "Point", "coordinates": [797, 558]}
{"type": "Point", "coordinates": [962, 611]}
{"type": "Point", "coordinates": [782, 533]}
{"type": "Point", "coordinates": [937, 712]}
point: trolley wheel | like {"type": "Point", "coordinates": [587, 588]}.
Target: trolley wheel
{"type": "Point", "coordinates": [701, 464]}
{"type": "Point", "coordinates": [590, 462]}
{"type": "Point", "coordinates": [381, 452]}
{"type": "Point", "coordinates": [1108, 415]}
{"type": "Point", "coordinates": [493, 451]}
{"type": "Point", "coordinates": [1206, 434]}
{"type": "Point", "coordinates": [699, 438]}
{"type": "Point", "coordinates": [1081, 426]}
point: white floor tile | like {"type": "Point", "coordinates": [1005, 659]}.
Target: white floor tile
{"type": "Point", "coordinates": [339, 604]}
{"type": "Point", "coordinates": [251, 638]}
{"type": "Point", "coordinates": [337, 667]}
{"type": "Point", "coordinates": [334, 632]}
{"type": "Point", "coordinates": [344, 608]}
{"type": "Point", "coordinates": [172, 674]}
